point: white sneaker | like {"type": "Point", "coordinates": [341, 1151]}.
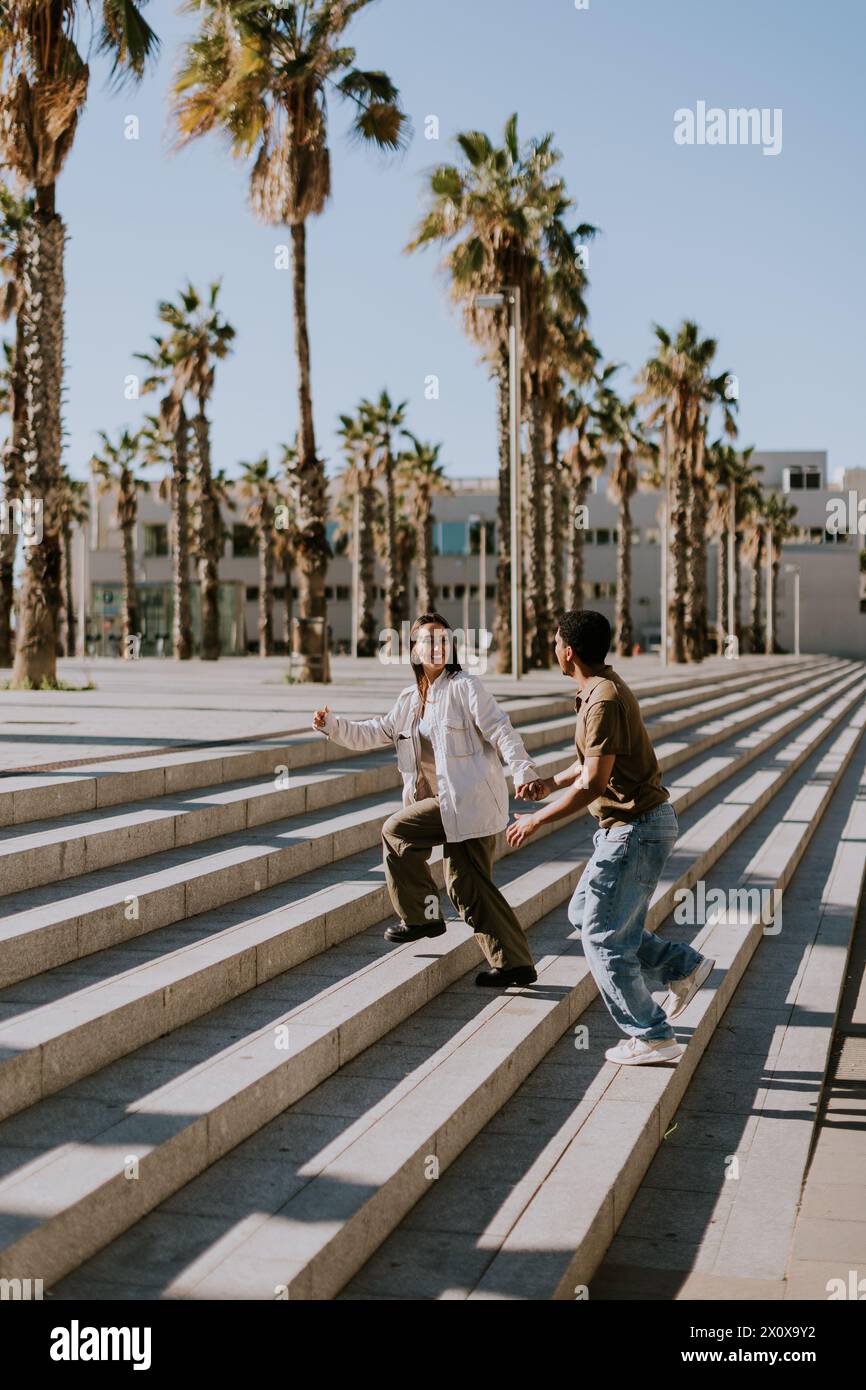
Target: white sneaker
{"type": "Point", "coordinates": [633, 1052]}
{"type": "Point", "coordinates": [682, 992]}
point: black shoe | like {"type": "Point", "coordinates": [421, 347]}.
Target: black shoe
{"type": "Point", "coordinates": [407, 933]}
{"type": "Point", "coordinates": [501, 979]}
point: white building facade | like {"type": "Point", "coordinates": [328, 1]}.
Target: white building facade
{"type": "Point", "coordinates": [832, 567]}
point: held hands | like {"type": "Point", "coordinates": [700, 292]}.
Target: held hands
{"type": "Point", "coordinates": [534, 791]}
{"type": "Point", "coordinates": [320, 717]}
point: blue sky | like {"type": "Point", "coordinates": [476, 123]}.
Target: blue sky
{"type": "Point", "coordinates": [762, 251]}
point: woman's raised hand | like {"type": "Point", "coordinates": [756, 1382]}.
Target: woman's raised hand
{"type": "Point", "coordinates": [320, 717]}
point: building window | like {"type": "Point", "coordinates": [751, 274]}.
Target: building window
{"type": "Point", "coordinates": [459, 590]}
{"type": "Point", "coordinates": [252, 593]}
{"type": "Point", "coordinates": [155, 540]}
{"type": "Point", "coordinates": [602, 536]}
{"type": "Point", "coordinates": [446, 591]}
{"type": "Point", "coordinates": [450, 537]}
{"type": "Point", "coordinates": [295, 593]}
{"type": "Point", "coordinates": [243, 541]}
{"type": "Point", "coordinates": [279, 592]}
{"type": "Point", "coordinates": [635, 536]}
{"type": "Point", "coordinates": [490, 591]}
{"type": "Point", "coordinates": [804, 477]}
{"type": "Point", "coordinates": [342, 593]}
{"type": "Point", "coordinates": [652, 535]}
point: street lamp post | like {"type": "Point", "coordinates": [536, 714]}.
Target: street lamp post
{"type": "Point", "coordinates": [771, 635]}
{"type": "Point", "coordinates": [482, 574]}
{"type": "Point", "coordinates": [510, 296]}
{"type": "Point", "coordinates": [795, 570]}
{"type": "Point", "coordinates": [356, 570]}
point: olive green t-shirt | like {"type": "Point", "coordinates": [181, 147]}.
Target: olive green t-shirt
{"type": "Point", "coordinates": [609, 721]}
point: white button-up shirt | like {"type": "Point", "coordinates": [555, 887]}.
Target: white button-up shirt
{"type": "Point", "coordinates": [469, 733]}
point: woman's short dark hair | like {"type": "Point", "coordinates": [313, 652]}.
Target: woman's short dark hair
{"type": "Point", "coordinates": [587, 633]}
{"type": "Point", "coordinates": [452, 667]}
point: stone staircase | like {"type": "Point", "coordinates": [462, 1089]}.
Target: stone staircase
{"type": "Point", "coordinates": [217, 1081]}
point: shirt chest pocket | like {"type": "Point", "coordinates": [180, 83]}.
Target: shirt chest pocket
{"type": "Point", "coordinates": [460, 741]}
{"type": "Point", "coordinates": [405, 753]}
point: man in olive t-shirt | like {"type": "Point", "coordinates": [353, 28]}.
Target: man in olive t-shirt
{"type": "Point", "coordinates": [617, 777]}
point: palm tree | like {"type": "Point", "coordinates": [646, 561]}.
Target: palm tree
{"type": "Point", "coordinates": [357, 508]}
{"type": "Point", "coordinates": [632, 446]}
{"type": "Point", "coordinates": [167, 441]}
{"type": "Point", "coordinates": [780, 516]}
{"type": "Point", "coordinates": [584, 418]}
{"type": "Point", "coordinates": [261, 74]}
{"type": "Point", "coordinates": [382, 418]}
{"type": "Point", "coordinates": [14, 213]}
{"type": "Point", "coordinates": [259, 487]}
{"type": "Point", "coordinates": [114, 468]}
{"type": "Point", "coordinates": [287, 535]}
{"type": "Point", "coordinates": [421, 477]}
{"type": "Point", "coordinates": [678, 385]}
{"type": "Point", "coordinates": [727, 471]}
{"type": "Point", "coordinates": [74, 511]}
{"type": "Point", "coordinates": [43, 90]}
{"type": "Point", "coordinates": [198, 337]}
{"type": "Point", "coordinates": [491, 211]}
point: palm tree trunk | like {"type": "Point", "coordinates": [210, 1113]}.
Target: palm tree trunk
{"type": "Point", "coordinates": [624, 629]}
{"type": "Point", "coordinates": [756, 636]}
{"type": "Point", "coordinates": [538, 635]}
{"type": "Point", "coordinates": [69, 605]}
{"type": "Point", "coordinates": [181, 618]}
{"type": "Point", "coordinates": [579, 487]}
{"type": "Point", "coordinates": [741, 633]}
{"type": "Point", "coordinates": [129, 607]}
{"type": "Point", "coordinates": [288, 559]}
{"type": "Point", "coordinates": [722, 590]}
{"type": "Point", "coordinates": [424, 561]}
{"type": "Point", "coordinates": [502, 616]}
{"type": "Point", "coordinates": [210, 542]}
{"type": "Point", "coordinates": [678, 541]}
{"type": "Point", "coordinates": [41, 314]}
{"type": "Point", "coordinates": [696, 591]}
{"type": "Point", "coordinates": [12, 489]}
{"type": "Point", "coordinates": [367, 638]}
{"type": "Point", "coordinates": [266, 582]}
{"type": "Point", "coordinates": [393, 595]}
{"type": "Point", "coordinates": [310, 487]}
{"type": "Point", "coordinates": [553, 522]}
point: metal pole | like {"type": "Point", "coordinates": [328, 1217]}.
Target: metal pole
{"type": "Point", "coordinates": [514, 441]}
{"type": "Point", "coordinates": [732, 576]}
{"type": "Point", "coordinates": [664, 556]}
{"type": "Point", "coordinates": [797, 613]}
{"type": "Point", "coordinates": [356, 570]}
{"type": "Point", "coordinates": [81, 644]}
{"type": "Point", "coordinates": [770, 633]}
{"type": "Point", "coordinates": [482, 582]}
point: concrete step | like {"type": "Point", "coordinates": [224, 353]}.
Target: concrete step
{"type": "Point", "coordinates": [93, 910]}
{"type": "Point", "coordinates": [94, 786]}
{"type": "Point", "coordinates": [59, 1027]}
{"type": "Point", "coordinates": [185, 1125]}
{"type": "Point", "coordinates": [367, 1144]}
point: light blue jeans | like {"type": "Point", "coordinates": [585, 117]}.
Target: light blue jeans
{"type": "Point", "coordinates": [610, 905]}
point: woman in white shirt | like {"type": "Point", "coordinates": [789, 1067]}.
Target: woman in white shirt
{"type": "Point", "coordinates": [448, 732]}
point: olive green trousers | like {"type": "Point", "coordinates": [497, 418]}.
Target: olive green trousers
{"type": "Point", "coordinates": [409, 836]}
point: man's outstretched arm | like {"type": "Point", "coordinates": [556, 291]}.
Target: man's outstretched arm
{"type": "Point", "coordinates": [586, 789]}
